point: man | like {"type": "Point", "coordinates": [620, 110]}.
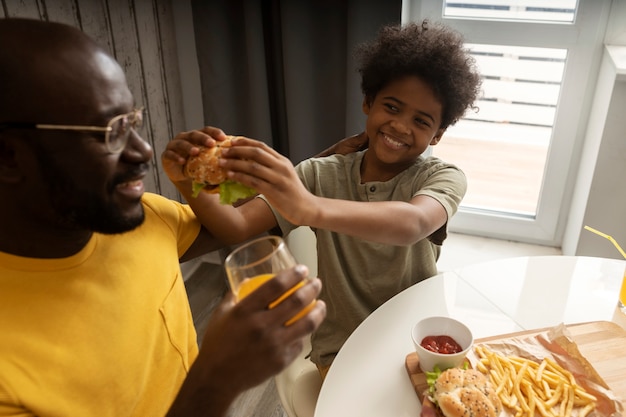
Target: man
{"type": "Point", "coordinates": [93, 311]}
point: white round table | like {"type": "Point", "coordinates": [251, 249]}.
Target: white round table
{"type": "Point", "coordinates": [368, 376]}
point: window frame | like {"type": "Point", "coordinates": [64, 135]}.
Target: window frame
{"type": "Point", "coordinates": [584, 40]}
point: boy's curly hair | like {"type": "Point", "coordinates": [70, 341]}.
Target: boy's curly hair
{"type": "Point", "coordinates": [431, 51]}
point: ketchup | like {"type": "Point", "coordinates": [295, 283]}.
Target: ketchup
{"type": "Point", "coordinates": [441, 344]}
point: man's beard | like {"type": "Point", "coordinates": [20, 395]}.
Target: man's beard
{"type": "Point", "coordinates": [94, 213]}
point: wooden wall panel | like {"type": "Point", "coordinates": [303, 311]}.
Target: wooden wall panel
{"type": "Point", "coordinates": [95, 22]}
{"type": "Point", "coordinates": [22, 8]}
{"type": "Point", "coordinates": [155, 89]}
{"type": "Point", "coordinates": [128, 54]}
{"type": "Point", "coordinates": [63, 11]}
{"type": "Point", "coordinates": [140, 35]}
{"type": "Point", "coordinates": [172, 89]}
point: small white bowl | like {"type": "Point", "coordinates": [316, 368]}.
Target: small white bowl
{"type": "Point", "coordinates": [437, 326]}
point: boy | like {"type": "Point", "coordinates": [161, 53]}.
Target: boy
{"type": "Point", "coordinates": [379, 215]}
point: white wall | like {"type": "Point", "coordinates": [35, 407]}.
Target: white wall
{"type": "Point", "coordinates": [600, 194]}
{"type": "Point", "coordinates": [616, 29]}
{"type": "Point", "coordinates": [599, 197]}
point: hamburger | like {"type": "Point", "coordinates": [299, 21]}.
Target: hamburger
{"type": "Point", "coordinates": [458, 392]}
{"type": "Point", "coordinates": [208, 176]}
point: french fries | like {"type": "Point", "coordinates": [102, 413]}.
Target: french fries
{"type": "Point", "coordinates": [530, 388]}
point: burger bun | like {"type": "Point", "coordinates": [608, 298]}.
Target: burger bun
{"type": "Point", "coordinates": [466, 392]}
{"type": "Point", "coordinates": [204, 167]}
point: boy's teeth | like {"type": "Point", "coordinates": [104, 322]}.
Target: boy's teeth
{"type": "Point", "coordinates": [393, 142]}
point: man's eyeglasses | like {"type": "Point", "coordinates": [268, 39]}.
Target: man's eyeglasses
{"type": "Point", "coordinates": [116, 132]}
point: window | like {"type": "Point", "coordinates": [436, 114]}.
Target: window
{"type": "Point", "coordinates": [538, 60]}
{"type": "Point", "coordinates": [527, 10]}
{"type": "Point", "coordinates": [521, 87]}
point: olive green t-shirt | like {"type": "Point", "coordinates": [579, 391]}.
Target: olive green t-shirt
{"type": "Point", "coordinates": [358, 275]}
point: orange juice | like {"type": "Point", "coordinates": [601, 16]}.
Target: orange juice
{"type": "Point", "coordinates": [251, 284]}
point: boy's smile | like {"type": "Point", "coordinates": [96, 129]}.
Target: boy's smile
{"type": "Point", "coordinates": [402, 121]}
{"type": "Point", "coordinates": [393, 143]}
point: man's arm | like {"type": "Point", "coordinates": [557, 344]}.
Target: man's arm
{"type": "Point", "coordinates": [347, 145]}
{"type": "Point", "coordinates": [246, 343]}
{"type": "Point", "coordinates": [205, 242]}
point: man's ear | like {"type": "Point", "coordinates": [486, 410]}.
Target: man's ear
{"type": "Point", "coordinates": [10, 171]}
{"type": "Point", "coordinates": [435, 140]}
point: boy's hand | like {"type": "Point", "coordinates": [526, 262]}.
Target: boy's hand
{"type": "Point", "coordinates": [258, 166]}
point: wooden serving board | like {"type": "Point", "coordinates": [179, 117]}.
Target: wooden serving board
{"type": "Point", "coordinates": [602, 343]}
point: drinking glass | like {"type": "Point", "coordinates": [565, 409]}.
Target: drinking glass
{"type": "Point", "coordinates": [621, 303]}
{"type": "Point", "coordinates": [257, 261]}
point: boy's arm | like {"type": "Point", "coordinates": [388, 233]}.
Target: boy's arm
{"type": "Point", "coordinates": [228, 223]}
{"type": "Point", "coordinates": [390, 222]}
{"type": "Point", "coordinates": [257, 165]}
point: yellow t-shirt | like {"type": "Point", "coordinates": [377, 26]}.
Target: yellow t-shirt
{"type": "Point", "coordinates": [105, 332]}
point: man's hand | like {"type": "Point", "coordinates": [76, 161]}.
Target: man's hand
{"type": "Point", "coordinates": [187, 144]}
{"type": "Point", "coordinates": [246, 343]}
{"type": "Point", "coordinates": [348, 145]}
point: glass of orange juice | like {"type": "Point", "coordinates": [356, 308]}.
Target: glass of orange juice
{"type": "Point", "coordinates": [257, 261]}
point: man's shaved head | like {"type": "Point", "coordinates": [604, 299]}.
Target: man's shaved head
{"type": "Point", "coordinates": [45, 62]}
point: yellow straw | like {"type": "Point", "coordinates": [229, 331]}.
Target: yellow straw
{"type": "Point", "coordinates": [607, 237]}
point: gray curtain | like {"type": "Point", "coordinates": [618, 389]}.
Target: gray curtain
{"type": "Point", "coordinates": [282, 71]}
